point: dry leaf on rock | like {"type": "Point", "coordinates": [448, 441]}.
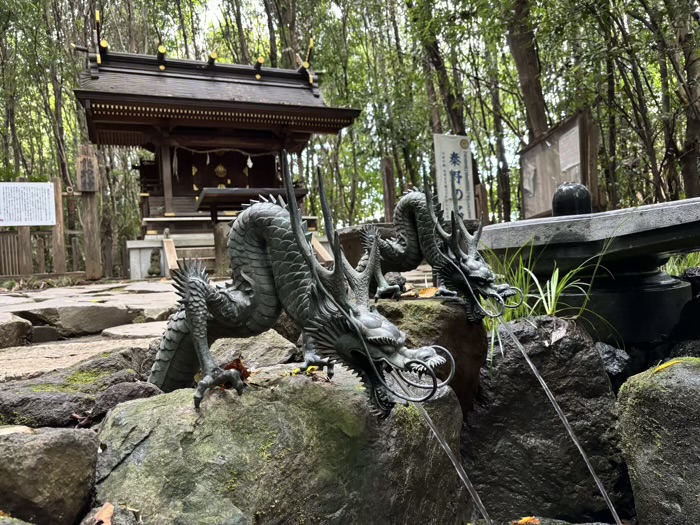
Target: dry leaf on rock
{"type": "Point", "coordinates": [104, 515]}
{"type": "Point", "coordinates": [428, 292]}
{"type": "Point", "coordinates": [237, 364]}
{"type": "Point", "coordinates": [529, 520]}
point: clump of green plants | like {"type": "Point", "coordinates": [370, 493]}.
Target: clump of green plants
{"type": "Point", "coordinates": [678, 264]}
{"type": "Point", "coordinates": [540, 298]}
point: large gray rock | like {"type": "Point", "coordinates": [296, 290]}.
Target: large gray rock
{"type": "Point", "coordinates": [289, 450]}
{"type": "Point", "coordinates": [25, 362]}
{"type": "Point", "coordinates": [46, 475]}
{"type": "Point", "coordinates": [72, 317]}
{"type": "Point", "coordinates": [14, 331]}
{"type": "Point", "coordinates": [52, 399]}
{"type": "Point", "coordinates": [516, 449]}
{"type": "Point", "coordinates": [660, 421]}
{"type": "Point", "coordinates": [266, 349]}
{"type": "Point", "coordinates": [136, 330]}
{"type": "Point", "coordinates": [443, 322]}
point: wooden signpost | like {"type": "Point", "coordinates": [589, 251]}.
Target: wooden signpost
{"type": "Point", "coordinates": [88, 185]}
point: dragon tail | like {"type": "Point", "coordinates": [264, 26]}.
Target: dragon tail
{"type": "Point", "coordinates": [176, 362]}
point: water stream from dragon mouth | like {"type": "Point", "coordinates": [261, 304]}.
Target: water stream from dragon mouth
{"type": "Point", "coordinates": [563, 418]}
{"type": "Point", "coordinates": [450, 453]}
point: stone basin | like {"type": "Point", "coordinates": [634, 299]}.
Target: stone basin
{"type": "Point", "coordinates": [631, 300]}
{"type": "Point", "coordinates": [642, 238]}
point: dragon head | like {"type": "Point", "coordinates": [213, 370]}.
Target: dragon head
{"type": "Point", "coordinates": [463, 269]}
{"type": "Point", "coordinates": [345, 328]}
{"type": "Point", "coordinates": [375, 349]}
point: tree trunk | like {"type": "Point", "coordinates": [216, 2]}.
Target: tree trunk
{"type": "Point", "coordinates": [523, 47]}
{"type": "Point", "coordinates": [272, 33]}
{"type": "Point", "coordinates": [691, 144]}
{"type": "Point", "coordinates": [183, 27]}
{"type": "Point", "coordinates": [502, 170]}
{"type": "Point", "coordinates": [245, 55]}
{"type": "Point", "coordinates": [435, 124]}
{"type": "Point", "coordinates": [611, 168]}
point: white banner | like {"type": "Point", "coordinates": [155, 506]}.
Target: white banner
{"type": "Point", "coordinates": [453, 161]}
{"type": "Point", "coordinates": [27, 204]}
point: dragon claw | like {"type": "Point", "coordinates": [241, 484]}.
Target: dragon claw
{"type": "Point", "coordinates": [218, 377]}
{"type": "Point", "coordinates": [311, 359]}
{"type": "Point", "coordinates": [444, 292]}
{"type": "Point", "coordinates": [388, 291]}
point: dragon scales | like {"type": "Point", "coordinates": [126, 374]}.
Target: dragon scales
{"type": "Point", "coordinates": [274, 269]}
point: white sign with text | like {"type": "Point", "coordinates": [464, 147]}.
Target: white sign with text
{"type": "Point", "coordinates": [27, 204]}
{"type": "Point", "coordinates": [453, 161]}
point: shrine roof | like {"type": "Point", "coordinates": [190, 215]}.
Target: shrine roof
{"type": "Point", "coordinates": [121, 91]}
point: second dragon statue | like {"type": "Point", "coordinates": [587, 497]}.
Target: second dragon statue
{"type": "Point", "coordinates": [273, 269]}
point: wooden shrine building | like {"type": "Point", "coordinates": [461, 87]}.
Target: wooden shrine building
{"type": "Point", "coordinates": [216, 129]}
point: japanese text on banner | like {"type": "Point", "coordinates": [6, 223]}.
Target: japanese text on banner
{"type": "Point", "coordinates": [453, 163]}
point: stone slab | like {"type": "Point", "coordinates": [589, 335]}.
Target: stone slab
{"type": "Point", "coordinates": [14, 330]}
{"type": "Point", "coordinates": [135, 330]}
{"type": "Point", "coordinates": [25, 362]}
{"type": "Point", "coordinates": [150, 287]}
{"type": "Point", "coordinates": [656, 229]}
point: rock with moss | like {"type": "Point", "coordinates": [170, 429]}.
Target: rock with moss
{"type": "Point", "coordinates": [293, 449]}
{"type": "Point", "coordinates": [660, 423]}
{"type": "Point", "coordinates": [53, 399]}
{"type": "Point", "coordinates": [443, 322]}
{"type": "Point", "coordinates": [46, 475]}
{"type": "Point", "coordinates": [517, 450]}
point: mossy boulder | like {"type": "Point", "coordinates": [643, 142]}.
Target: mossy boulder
{"type": "Point", "coordinates": [47, 474]}
{"type": "Point", "coordinates": [660, 422]}
{"type": "Point", "coordinates": [50, 400]}
{"type": "Point", "coordinates": [516, 449]}
{"type": "Point", "coordinates": [443, 322]}
{"type": "Point", "coordinates": [291, 449]}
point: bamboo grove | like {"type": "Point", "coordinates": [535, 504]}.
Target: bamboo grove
{"type": "Point", "coordinates": [501, 71]}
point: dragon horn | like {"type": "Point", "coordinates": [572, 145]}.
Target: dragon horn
{"type": "Point", "coordinates": [472, 241]}
{"type": "Point", "coordinates": [360, 281]}
{"type": "Point", "coordinates": [446, 237]}
{"type": "Point", "coordinates": [325, 208]}
{"type": "Point", "coordinates": [333, 281]}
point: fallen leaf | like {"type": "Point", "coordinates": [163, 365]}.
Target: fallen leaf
{"type": "Point", "coordinates": [104, 515]}
{"type": "Point", "coordinates": [237, 364]}
{"type": "Point", "coordinates": [666, 365]}
{"type": "Point", "coordinates": [530, 520]}
{"type": "Point", "coordinates": [408, 295]}
{"type": "Point", "coordinates": [558, 334]}
{"type": "Point", "coordinates": [4, 515]}
{"type": "Point", "coordinates": [428, 292]}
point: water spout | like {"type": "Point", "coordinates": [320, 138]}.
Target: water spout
{"type": "Point", "coordinates": [563, 418]}
{"type": "Point", "coordinates": [450, 453]}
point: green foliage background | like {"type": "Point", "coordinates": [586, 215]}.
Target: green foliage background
{"type": "Point", "coordinates": [630, 61]}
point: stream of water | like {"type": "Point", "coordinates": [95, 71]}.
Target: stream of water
{"type": "Point", "coordinates": [563, 418]}
{"type": "Point", "coordinates": [456, 462]}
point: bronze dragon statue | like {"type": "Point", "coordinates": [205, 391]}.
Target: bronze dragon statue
{"type": "Point", "coordinates": [274, 269]}
{"type": "Point", "coordinates": [452, 253]}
